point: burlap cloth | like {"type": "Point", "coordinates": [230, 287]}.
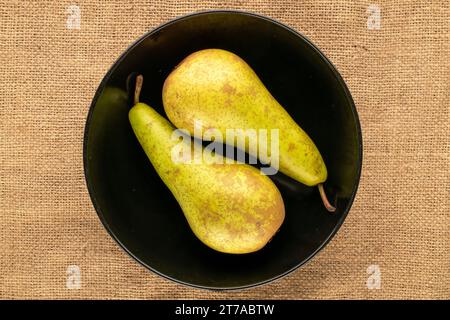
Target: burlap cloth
{"type": "Point", "coordinates": [399, 78]}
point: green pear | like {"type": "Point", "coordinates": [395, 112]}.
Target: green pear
{"type": "Point", "coordinates": [230, 207]}
{"type": "Point", "coordinates": [222, 91]}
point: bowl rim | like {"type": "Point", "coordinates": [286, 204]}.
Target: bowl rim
{"type": "Point", "coordinates": [114, 66]}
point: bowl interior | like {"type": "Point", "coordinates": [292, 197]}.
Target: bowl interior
{"type": "Point", "coordinates": [138, 209]}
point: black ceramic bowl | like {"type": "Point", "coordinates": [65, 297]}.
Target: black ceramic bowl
{"type": "Point", "coordinates": [139, 211]}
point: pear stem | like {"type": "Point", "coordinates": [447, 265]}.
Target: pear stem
{"type": "Point", "coordinates": [325, 201]}
{"type": "Point", "coordinates": [137, 90]}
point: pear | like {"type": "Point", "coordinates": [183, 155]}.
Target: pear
{"type": "Point", "coordinates": [219, 89]}
{"type": "Point", "coordinates": [230, 207]}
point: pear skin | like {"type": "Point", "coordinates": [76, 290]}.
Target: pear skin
{"type": "Point", "coordinates": [230, 207]}
{"type": "Point", "coordinates": [222, 91]}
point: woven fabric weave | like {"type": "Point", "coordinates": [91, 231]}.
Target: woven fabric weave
{"type": "Point", "coordinates": [396, 66]}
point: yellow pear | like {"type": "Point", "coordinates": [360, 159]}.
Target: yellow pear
{"type": "Point", "coordinates": [219, 89]}
{"type": "Point", "coordinates": [230, 207]}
